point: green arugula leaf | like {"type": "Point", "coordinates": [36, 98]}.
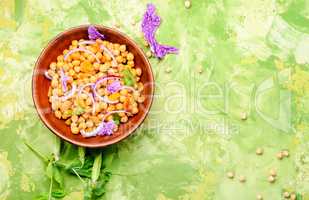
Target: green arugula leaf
{"type": "Point", "coordinates": [53, 173]}
{"type": "Point", "coordinates": [83, 170]}
{"type": "Point", "coordinates": [88, 191]}
{"type": "Point", "coordinates": [69, 157]}
{"type": "Point", "coordinates": [81, 163]}
{"type": "Point", "coordinates": [95, 188]}
{"type": "Point", "coordinates": [94, 191]}
{"type": "Point", "coordinates": [99, 189]}
{"type": "Point", "coordinates": [67, 165]}
{"type": "Point", "coordinates": [68, 151]}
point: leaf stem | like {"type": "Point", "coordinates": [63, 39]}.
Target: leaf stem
{"type": "Point", "coordinates": [39, 154]}
{"type": "Point", "coordinates": [50, 187]}
{"type": "Point", "coordinates": [80, 178]}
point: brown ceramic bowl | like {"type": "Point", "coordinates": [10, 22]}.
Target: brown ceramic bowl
{"type": "Point", "coordinates": [40, 86]}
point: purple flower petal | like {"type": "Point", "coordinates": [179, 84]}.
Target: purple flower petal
{"type": "Point", "coordinates": [94, 34]}
{"type": "Point", "coordinates": [114, 87]}
{"type": "Point", "coordinates": [107, 128]}
{"type": "Point", "coordinates": [150, 24]}
{"type": "Point", "coordinates": [162, 50]}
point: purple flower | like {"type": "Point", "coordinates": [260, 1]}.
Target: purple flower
{"type": "Point", "coordinates": [150, 24]}
{"type": "Point", "coordinates": [114, 87]}
{"type": "Point", "coordinates": [107, 128]}
{"type": "Point", "coordinates": [94, 34]}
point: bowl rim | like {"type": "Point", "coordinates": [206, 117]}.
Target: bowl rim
{"type": "Point", "coordinates": [80, 143]}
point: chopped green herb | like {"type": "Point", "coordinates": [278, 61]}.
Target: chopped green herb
{"type": "Point", "coordinates": [78, 110]}
{"type": "Point", "coordinates": [68, 112]}
{"type": "Point", "coordinates": [116, 119]}
{"type": "Point", "coordinates": [128, 77]}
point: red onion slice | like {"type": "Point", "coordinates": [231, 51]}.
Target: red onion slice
{"type": "Point", "coordinates": [86, 42]}
{"type": "Point", "coordinates": [81, 89]}
{"type": "Point", "coordinates": [114, 112]}
{"type": "Point", "coordinates": [114, 63]}
{"type": "Point", "coordinates": [93, 103]}
{"type": "Point", "coordinates": [47, 75]}
{"type": "Point", "coordinates": [104, 98]}
{"type": "Point", "coordinates": [128, 88]}
{"type": "Point", "coordinates": [81, 49]}
{"type": "Point", "coordinates": [69, 94]}
{"type": "Point", "coordinates": [64, 80]}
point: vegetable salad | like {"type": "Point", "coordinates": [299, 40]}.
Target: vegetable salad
{"type": "Point", "coordinates": [95, 85]}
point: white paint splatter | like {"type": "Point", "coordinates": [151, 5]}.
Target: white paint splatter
{"type": "Point", "coordinates": [302, 50]}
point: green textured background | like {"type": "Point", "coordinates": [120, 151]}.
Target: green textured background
{"type": "Point", "coordinates": [254, 56]}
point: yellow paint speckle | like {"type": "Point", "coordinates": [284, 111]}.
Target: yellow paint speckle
{"type": "Point", "coordinates": [6, 171]}
{"type": "Point", "coordinates": [300, 127]}
{"type": "Point", "coordinates": [26, 185]}
{"type": "Point", "coordinates": [249, 60]}
{"type": "Point", "coordinates": [279, 64]}
{"type": "Point", "coordinates": [208, 180]}
{"type": "Point", "coordinates": [5, 163]}
{"type": "Point", "coordinates": [162, 197]}
{"type": "Point", "coordinates": [1, 71]}
{"type": "Point", "coordinates": [296, 141]}
{"type": "Point", "coordinates": [299, 82]}
{"type": "Point", "coordinates": [7, 23]}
